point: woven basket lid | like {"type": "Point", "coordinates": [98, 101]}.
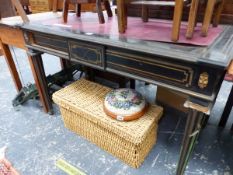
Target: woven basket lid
{"type": "Point", "coordinates": [124, 104]}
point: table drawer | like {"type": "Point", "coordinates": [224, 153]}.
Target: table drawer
{"type": "Point", "coordinates": [56, 43]}
{"type": "Point", "coordinates": [87, 54]}
{"type": "Point", "coordinates": [146, 66]}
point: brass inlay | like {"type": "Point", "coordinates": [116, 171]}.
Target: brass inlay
{"type": "Point", "coordinates": [88, 48]}
{"type": "Point", "coordinates": [187, 71]}
{"type": "Point", "coordinates": [54, 46]}
{"type": "Point", "coordinates": [141, 72]}
{"type": "Point", "coordinates": [230, 68]}
{"type": "Point", "coordinates": [203, 80]}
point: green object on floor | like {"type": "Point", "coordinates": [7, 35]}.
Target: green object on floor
{"type": "Point", "coordinates": [55, 82]}
{"type": "Point", "coordinates": [68, 168]}
{"type": "Point", "coordinates": [26, 93]}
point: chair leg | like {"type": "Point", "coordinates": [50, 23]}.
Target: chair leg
{"type": "Point", "coordinates": [196, 21]}
{"type": "Point", "coordinates": [207, 18]}
{"type": "Point", "coordinates": [65, 10]}
{"type": "Point", "coordinates": [27, 10]}
{"type": "Point", "coordinates": [125, 16]}
{"type": "Point", "coordinates": [145, 12]}
{"type": "Point", "coordinates": [218, 12]}
{"type": "Point", "coordinates": [192, 18]}
{"type": "Point", "coordinates": [177, 20]}
{"type": "Point", "coordinates": [55, 5]}
{"type": "Point", "coordinates": [108, 8]}
{"type": "Point", "coordinates": [99, 11]}
{"type": "Point", "coordinates": [120, 16]}
{"type": "Point", "coordinates": [78, 10]}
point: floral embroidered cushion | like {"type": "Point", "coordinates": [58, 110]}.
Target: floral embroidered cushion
{"type": "Point", "coordinates": [124, 104]}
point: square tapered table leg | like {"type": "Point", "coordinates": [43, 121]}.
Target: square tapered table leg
{"type": "Point", "coordinates": [179, 4]}
{"type": "Point", "coordinates": [218, 12]}
{"type": "Point", "coordinates": [208, 16]}
{"type": "Point", "coordinates": [192, 18]}
{"type": "Point", "coordinates": [121, 16]}
{"type": "Point", "coordinates": [65, 10]}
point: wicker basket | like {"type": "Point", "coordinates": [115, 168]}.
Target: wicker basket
{"type": "Point", "coordinates": [81, 105]}
{"type": "Point", "coordinates": [38, 6]}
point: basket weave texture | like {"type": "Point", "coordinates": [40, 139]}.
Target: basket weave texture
{"type": "Point", "coordinates": [39, 6]}
{"type": "Point", "coordinates": [81, 105]}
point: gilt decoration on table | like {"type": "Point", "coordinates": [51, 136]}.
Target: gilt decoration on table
{"type": "Point", "coordinates": [203, 80]}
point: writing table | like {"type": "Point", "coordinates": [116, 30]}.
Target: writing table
{"type": "Point", "coordinates": [192, 70]}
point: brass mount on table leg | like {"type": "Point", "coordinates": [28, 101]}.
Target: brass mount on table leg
{"type": "Point", "coordinates": [193, 127]}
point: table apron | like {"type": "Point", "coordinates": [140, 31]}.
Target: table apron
{"type": "Point", "coordinates": [195, 79]}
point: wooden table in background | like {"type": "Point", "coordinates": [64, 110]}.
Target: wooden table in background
{"type": "Point", "coordinates": [11, 35]}
{"type": "Point", "coordinates": [167, 12]}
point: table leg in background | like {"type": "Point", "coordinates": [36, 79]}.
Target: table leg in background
{"type": "Point", "coordinates": [208, 16]}
{"type": "Point", "coordinates": [177, 20]}
{"type": "Point", "coordinates": [11, 65]}
{"type": "Point", "coordinates": [120, 16]}
{"type": "Point", "coordinates": [192, 18]}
